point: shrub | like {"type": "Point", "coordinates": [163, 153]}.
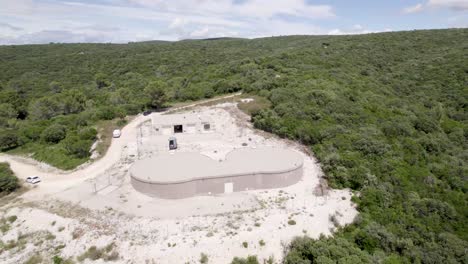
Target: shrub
{"type": "Point", "coordinates": [106, 253]}
{"type": "Point", "coordinates": [54, 133]}
{"type": "Point", "coordinates": [36, 259]}
{"type": "Point", "coordinates": [245, 244]}
{"type": "Point", "coordinates": [93, 253]}
{"type": "Point", "coordinates": [121, 122]}
{"type": "Point", "coordinates": [88, 133]}
{"type": "Point", "coordinates": [203, 258]}
{"type": "Point", "coordinates": [8, 181]}
{"type": "Point", "coordinates": [248, 260]}
{"type": "Point", "coordinates": [291, 222]}
{"type": "Point", "coordinates": [426, 124]}
{"type": "Point", "coordinates": [30, 132]}
{"type": "Point", "coordinates": [106, 113]}
{"type": "Point", "coordinates": [57, 260]}
{"type": "Point", "coordinates": [77, 147]}
{"type": "Point", "coordinates": [12, 218]}
{"type": "Point", "coordinates": [8, 140]}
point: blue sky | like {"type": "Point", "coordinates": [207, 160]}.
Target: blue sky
{"type": "Point", "coordinates": [120, 21]}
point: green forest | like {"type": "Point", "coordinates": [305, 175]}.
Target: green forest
{"type": "Point", "coordinates": [385, 114]}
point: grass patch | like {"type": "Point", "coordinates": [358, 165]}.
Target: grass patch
{"type": "Point", "coordinates": [105, 129]}
{"type": "Point", "coordinates": [20, 243]}
{"type": "Point", "coordinates": [261, 243]}
{"type": "Point", "coordinates": [253, 107]}
{"type": "Point", "coordinates": [50, 236]}
{"type": "Point", "coordinates": [248, 260]}
{"type": "Point", "coordinates": [94, 253]}
{"type": "Point", "coordinates": [60, 260]}
{"type": "Point", "coordinates": [12, 218]}
{"type": "Point", "coordinates": [77, 233]}
{"type": "Point", "coordinates": [4, 227]}
{"type": "Point", "coordinates": [54, 155]}
{"type": "Point", "coordinates": [36, 259]}
{"type": "Point", "coordinates": [10, 245]}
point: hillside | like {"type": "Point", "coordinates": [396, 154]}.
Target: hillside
{"type": "Point", "coordinates": [385, 114]}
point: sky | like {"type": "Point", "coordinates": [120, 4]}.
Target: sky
{"type": "Point", "coordinates": [121, 21]}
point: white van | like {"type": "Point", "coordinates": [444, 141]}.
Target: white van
{"type": "Point", "coordinates": [117, 133]}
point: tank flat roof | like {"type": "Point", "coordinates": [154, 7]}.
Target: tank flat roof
{"type": "Point", "coordinates": [186, 166]}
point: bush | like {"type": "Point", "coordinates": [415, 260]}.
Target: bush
{"type": "Point", "coordinates": [88, 133]}
{"type": "Point", "coordinates": [57, 260]}
{"type": "Point", "coordinates": [106, 113]}
{"type": "Point", "coordinates": [8, 140]}
{"type": "Point", "coordinates": [94, 253]}
{"type": "Point", "coordinates": [35, 259]}
{"type": "Point", "coordinates": [203, 258]}
{"type": "Point", "coordinates": [8, 180]}
{"type": "Point", "coordinates": [54, 133]}
{"type": "Point", "coordinates": [156, 93]}
{"type": "Point", "coordinates": [77, 147]}
{"type": "Point", "coordinates": [248, 260]}
{"type": "Point", "coordinates": [12, 218]}
{"type": "Point", "coordinates": [426, 124]}
{"type": "Point", "coordinates": [31, 132]}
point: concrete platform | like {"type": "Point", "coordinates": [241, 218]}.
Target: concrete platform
{"type": "Point", "coordinates": [186, 174]}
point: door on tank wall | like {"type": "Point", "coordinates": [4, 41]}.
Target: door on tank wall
{"type": "Point", "coordinates": [178, 128]}
{"type": "Point", "coordinates": [206, 127]}
{"type": "Point", "coordinates": [228, 187]}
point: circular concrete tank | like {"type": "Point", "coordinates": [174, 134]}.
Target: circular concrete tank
{"type": "Point", "coordinates": [187, 174]}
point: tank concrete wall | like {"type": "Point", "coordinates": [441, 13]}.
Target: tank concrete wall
{"type": "Point", "coordinates": [215, 185]}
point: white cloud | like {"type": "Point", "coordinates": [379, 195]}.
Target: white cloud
{"type": "Point", "coordinates": [39, 21]}
{"type": "Point", "coordinates": [9, 27]}
{"type": "Point", "coordinates": [355, 30]}
{"type": "Point", "coordinates": [413, 9]}
{"type": "Point", "coordinates": [457, 5]}
{"type": "Point", "coordinates": [251, 8]}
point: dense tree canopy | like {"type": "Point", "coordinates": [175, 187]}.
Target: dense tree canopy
{"type": "Point", "coordinates": [385, 114]}
{"type": "Point", "coordinates": [156, 92]}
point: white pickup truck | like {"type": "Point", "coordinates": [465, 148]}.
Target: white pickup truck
{"type": "Point", "coordinates": [33, 179]}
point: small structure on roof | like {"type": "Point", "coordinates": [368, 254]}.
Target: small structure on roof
{"type": "Point", "coordinates": [190, 123]}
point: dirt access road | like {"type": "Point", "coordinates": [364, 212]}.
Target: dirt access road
{"type": "Point", "coordinates": [55, 180]}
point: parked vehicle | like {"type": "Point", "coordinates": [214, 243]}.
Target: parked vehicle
{"type": "Point", "coordinates": [33, 179]}
{"type": "Point", "coordinates": [172, 143]}
{"type": "Point", "coordinates": [117, 133]}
